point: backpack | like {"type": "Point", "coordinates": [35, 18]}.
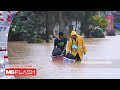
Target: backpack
{"type": "Point", "coordinates": [56, 52]}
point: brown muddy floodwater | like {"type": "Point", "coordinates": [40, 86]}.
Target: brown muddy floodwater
{"type": "Point", "coordinates": [39, 56]}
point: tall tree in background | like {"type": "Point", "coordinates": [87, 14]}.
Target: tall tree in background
{"type": "Point", "coordinates": [60, 21]}
{"type": "Point", "coordinates": [47, 27]}
{"type": "Point", "coordinates": [40, 24]}
{"type": "Point", "coordinates": [85, 22]}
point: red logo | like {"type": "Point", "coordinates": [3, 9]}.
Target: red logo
{"type": "Point", "coordinates": [20, 71]}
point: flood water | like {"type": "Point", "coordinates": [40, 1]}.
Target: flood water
{"type": "Point", "coordinates": [39, 56]}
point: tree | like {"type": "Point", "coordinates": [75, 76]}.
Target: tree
{"type": "Point", "coordinates": [70, 16]}
{"type": "Point", "coordinates": [35, 25]}
{"type": "Point", "coordinates": [98, 21]}
{"type": "Point", "coordinates": [85, 21]}
{"type": "Point", "coordinates": [47, 27]}
{"type": "Point", "coordinates": [60, 21]}
{"type": "Point", "coordinates": [30, 25]}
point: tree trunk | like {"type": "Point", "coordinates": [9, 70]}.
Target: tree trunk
{"type": "Point", "coordinates": [47, 28]}
{"type": "Point", "coordinates": [84, 28]}
{"type": "Point", "coordinates": [76, 25]}
{"type": "Point", "coordinates": [60, 20]}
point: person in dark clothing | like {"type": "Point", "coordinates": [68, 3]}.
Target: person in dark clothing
{"type": "Point", "coordinates": [61, 42]}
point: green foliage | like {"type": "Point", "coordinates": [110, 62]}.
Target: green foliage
{"type": "Point", "coordinates": [32, 24]}
{"type": "Point", "coordinates": [31, 27]}
{"type": "Point", "coordinates": [35, 25]}
{"type": "Point", "coordinates": [98, 21]}
{"type": "Point", "coordinates": [85, 21]}
{"type": "Point", "coordinates": [97, 34]}
{"type": "Point", "coordinates": [78, 16]}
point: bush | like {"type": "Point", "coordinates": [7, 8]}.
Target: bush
{"type": "Point", "coordinates": [97, 34]}
{"type": "Point", "coordinates": [38, 40]}
{"type": "Point", "coordinates": [98, 21]}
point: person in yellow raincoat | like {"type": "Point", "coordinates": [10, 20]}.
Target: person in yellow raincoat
{"type": "Point", "coordinates": [76, 46]}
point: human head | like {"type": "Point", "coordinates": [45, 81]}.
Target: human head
{"type": "Point", "coordinates": [61, 35]}
{"type": "Point", "coordinates": [73, 34]}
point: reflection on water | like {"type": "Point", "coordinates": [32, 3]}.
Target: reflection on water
{"type": "Point", "coordinates": [39, 56]}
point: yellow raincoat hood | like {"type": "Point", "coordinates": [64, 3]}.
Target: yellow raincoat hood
{"type": "Point", "coordinates": [73, 33]}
